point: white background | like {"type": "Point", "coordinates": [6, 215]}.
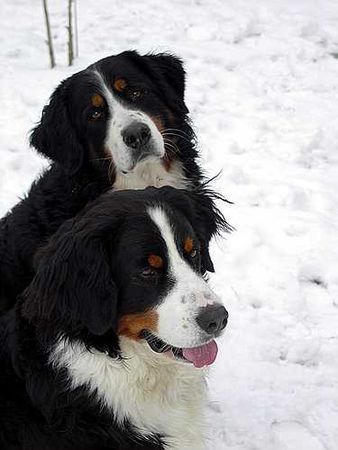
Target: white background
{"type": "Point", "coordinates": [262, 88]}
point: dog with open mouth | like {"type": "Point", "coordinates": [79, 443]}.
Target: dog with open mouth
{"type": "Point", "coordinates": [107, 345]}
{"type": "Point", "coordinates": [121, 123]}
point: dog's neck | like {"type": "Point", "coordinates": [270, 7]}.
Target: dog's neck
{"type": "Point", "coordinates": [156, 394]}
{"type": "Point", "coordinates": [152, 173]}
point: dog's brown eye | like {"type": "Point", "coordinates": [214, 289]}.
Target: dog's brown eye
{"type": "Point", "coordinates": [96, 114]}
{"type": "Point", "coordinates": [148, 272]}
{"type": "Point", "coordinates": [193, 253]}
{"type": "Point", "coordinates": [135, 95]}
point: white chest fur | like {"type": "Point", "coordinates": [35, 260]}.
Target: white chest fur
{"type": "Point", "coordinates": [152, 173]}
{"type": "Point", "coordinates": [156, 394]}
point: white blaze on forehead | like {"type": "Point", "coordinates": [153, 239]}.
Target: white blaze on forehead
{"type": "Point", "coordinates": [120, 117]}
{"type": "Point", "coordinates": [111, 100]}
{"type": "Point", "coordinates": [161, 220]}
{"type": "Point", "coordinates": [177, 313]}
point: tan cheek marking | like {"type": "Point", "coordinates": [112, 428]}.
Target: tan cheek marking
{"type": "Point", "coordinates": [97, 100]}
{"type": "Point", "coordinates": [158, 122]}
{"type": "Point", "coordinates": [171, 117]}
{"type": "Point", "coordinates": [131, 325]}
{"type": "Point", "coordinates": [155, 261]}
{"type": "Point", "coordinates": [167, 161]}
{"type": "Point", "coordinates": [188, 245]}
{"type": "Point", "coordinates": [120, 84]}
{"type": "Point", "coordinates": [168, 156]}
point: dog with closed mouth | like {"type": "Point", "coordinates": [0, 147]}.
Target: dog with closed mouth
{"type": "Point", "coordinates": [119, 124]}
{"type": "Point", "coordinates": [106, 347]}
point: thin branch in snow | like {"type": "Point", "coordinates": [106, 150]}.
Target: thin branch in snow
{"type": "Point", "coordinates": [49, 36]}
{"type": "Point", "coordinates": [70, 34]}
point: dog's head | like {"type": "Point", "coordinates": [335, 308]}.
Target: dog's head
{"type": "Point", "coordinates": [122, 109]}
{"type": "Point", "coordinates": [133, 265]}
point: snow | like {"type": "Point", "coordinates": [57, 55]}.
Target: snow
{"type": "Point", "coordinates": [262, 89]}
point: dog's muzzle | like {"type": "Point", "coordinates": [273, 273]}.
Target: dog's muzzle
{"type": "Point", "coordinates": [136, 136]}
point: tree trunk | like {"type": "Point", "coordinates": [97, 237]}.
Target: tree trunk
{"type": "Point", "coordinates": [70, 34]}
{"type": "Point", "coordinates": [49, 36]}
{"type": "Point", "coordinates": [76, 30]}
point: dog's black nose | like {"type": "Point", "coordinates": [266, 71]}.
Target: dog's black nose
{"type": "Point", "coordinates": [212, 318]}
{"type": "Point", "coordinates": [136, 135]}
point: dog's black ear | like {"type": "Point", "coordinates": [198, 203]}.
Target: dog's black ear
{"type": "Point", "coordinates": [205, 220]}
{"type": "Point", "coordinates": [172, 71]}
{"type": "Point", "coordinates": [55, 136]}
{"type": "Point", "coordinates": [73, 282]}
{"type": "Point", "coordinates": [208, 221]}
{"type": "Point", "coordinates": [199, 207]}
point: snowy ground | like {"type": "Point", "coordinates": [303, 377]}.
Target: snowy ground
{"type": "Point", "coordinates": [263, 94]}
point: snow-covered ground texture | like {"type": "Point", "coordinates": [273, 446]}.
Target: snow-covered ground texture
{"type": "Point", "coordinates": [262, 89]}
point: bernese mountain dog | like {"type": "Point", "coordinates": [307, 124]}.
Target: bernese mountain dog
{"type": "Point", "coordinates": [106, 347]}
{"type": "Point", "coordinates": [121, 123]}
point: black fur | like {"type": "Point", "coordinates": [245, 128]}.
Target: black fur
{"type": "Point", "coordinates": [88, 276]}
{"type": "Point", "coordinates": [79, 172]}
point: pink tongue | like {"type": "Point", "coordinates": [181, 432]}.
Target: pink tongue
{"type": "Point", "coordinates": [203, 355]}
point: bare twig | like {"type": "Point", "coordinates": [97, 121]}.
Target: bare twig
{"type": "Point", "coordinates": [70, 34]}
{"type": "Point", "coordinates": [76, 30]}
{"type": "Point", "coordinates": [49, 36]}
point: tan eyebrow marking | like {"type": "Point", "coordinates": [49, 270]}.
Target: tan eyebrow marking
{"type": "Point", "coordinates": [155, 261]}
{"type": "Point", "coordinates": [120, 84]}
{"type": "Point", "coordinates": [97, 100]}
{"type": "Point", "coordinates": [188, 245]}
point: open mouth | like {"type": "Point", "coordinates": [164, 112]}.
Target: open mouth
{"type": "Point", "coordinates": [201, 356]}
